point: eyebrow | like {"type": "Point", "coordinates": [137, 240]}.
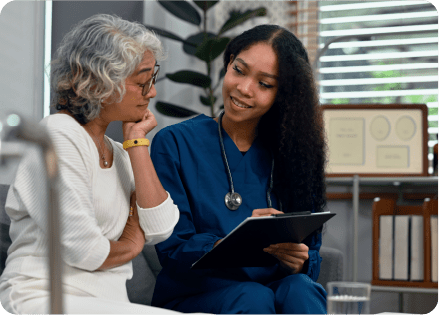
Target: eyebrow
{"type": "Point", "coordinates": [145, 70]}
{"type": "Point", "coordinates": [263, 73]}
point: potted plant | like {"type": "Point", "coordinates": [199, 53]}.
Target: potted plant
{"type": "Point", "coordinates": [205, 45]}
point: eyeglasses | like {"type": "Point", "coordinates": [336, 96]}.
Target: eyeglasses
{"type": "Point", "coordinates": [148, 84]}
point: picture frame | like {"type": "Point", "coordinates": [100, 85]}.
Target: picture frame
{"type": "Point", "coordinates": [376, 140]}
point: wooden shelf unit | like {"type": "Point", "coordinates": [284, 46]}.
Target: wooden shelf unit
{"type": "Point", "coordinates": [389, 207]}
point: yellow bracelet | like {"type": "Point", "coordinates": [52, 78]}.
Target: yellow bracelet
{"type": "Point", "coordinates": [135, 143]}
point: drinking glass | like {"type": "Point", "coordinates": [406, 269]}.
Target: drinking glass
{"type": "Point", "coordinates": [348, 298]}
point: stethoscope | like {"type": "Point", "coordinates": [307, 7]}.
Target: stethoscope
{"type": "Point", "coordinates": [232, 199]}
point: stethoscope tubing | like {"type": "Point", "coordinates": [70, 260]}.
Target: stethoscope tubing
{"type": "Point", "coordinates": [232, 192]}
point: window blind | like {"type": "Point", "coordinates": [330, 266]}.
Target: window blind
{"type": "Point", "coordinates": [383, 52]}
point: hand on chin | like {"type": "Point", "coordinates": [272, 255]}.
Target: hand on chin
{"type": "Point", "coordinates": [140, 127]}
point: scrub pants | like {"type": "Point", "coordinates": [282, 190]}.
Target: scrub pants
{"type": "Point", "coordinates": [294, 294]}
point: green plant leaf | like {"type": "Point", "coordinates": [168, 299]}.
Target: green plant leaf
{"type": "Point", "coordinates": [210, 49]}
{"type": "Point", "coordinates": [205, 5]}
{"type": "Point", "coordinates": [190, 77]}
{"type": "Point", "coordinates": [195, 41]}
{"type": "Point", "coordinates": [183, 10]}
{"type": "Point", "coordinates": [206, 101]}
{"type": "Point", "coordinates": [237, 18]}
{"type": "Point", "coordinates": [170, 35]}
{"type": "Point", "coordinates": [173, 110]}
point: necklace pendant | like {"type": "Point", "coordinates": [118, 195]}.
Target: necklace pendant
{"type": "Point", "coordinates": [105, 163]}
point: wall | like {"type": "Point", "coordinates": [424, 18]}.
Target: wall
{"type": "Point", "coordinates": [21, 66]}
{"type": "Point", "coordinates": [179, 94]}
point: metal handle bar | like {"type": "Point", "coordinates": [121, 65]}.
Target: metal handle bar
{"type": "Point", "coordinates": [16, 126]}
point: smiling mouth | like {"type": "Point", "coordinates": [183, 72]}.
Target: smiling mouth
{"type": "Point", "coordinates": [239, 104]}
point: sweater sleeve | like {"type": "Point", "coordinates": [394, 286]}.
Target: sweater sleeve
{"type": "Point", "coordinates": [185, 245]}
{"type": "Point", "coordinates": [158, 222]}
{"type": "Point", "coordinates": [83, 244]}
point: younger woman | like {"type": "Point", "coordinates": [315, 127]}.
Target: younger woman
{"type": "Point", "coordinates": [271, 115]}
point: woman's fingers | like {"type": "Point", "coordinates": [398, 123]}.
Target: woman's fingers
{"type": "Point", "coordinates": [132, 231]}
{"type": "Point", "coordinates": [139, 129]}
{"type": "Point", "coordinates": [265, 212]}
{"type": "Point", "coordinates": [291, 255]}
{"type": "Point", "coordinates": [290, 247]}
{"type": "Point", "coordinates": [148, 122]}
{"type": "Point", "coordinates": [297, 255]}
{"type": "Point", "coordinates": [133, 204]}
{"type": "Point", "coordinates": [293, 264]}
{"type": "Point", "coordinates": [299, 251]}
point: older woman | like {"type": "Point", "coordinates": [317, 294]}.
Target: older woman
{"type": "Point", "coordinates": [104, 71]}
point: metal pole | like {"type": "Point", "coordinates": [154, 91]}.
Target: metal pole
{"type": "Point", "coordinates": [32, 132]}
{"type": "Point", "coordinates": [401, 302]}
{"type": "Point", "coordinates": [355, 203]}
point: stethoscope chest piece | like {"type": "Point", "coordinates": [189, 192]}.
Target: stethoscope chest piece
{"type": "Point", "coordinates": [233, 200]}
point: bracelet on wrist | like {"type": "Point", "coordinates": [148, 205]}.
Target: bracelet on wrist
{"type": "Point", "coordinates": [135, 143]}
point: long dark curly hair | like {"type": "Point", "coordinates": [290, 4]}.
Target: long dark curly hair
{"type": "Point", "coordinates": [293, 128]}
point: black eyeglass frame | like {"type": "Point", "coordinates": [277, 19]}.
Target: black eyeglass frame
{"type": "Point", "coordinates": [152, 81]}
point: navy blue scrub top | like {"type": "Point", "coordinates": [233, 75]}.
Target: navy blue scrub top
{"type": "Point", "coordinates": [187, 158]}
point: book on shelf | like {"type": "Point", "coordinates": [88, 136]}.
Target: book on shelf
{"type": "Point", "coordinates": [417, 248]}
{"type": "Point", "coordinates": [405, 244]}
{"type": "Point", "coordinates": [434, 267]}
{"type": "Point", "coordinates": [401, 245]}
{"type": "Point", "coordinates": [386, 247]}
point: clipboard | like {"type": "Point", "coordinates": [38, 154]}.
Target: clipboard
{"type": "Point", "coordinates": [243, 247]}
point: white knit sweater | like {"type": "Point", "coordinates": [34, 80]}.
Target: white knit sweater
{"type": "Point", "coordinates": [94, 207]}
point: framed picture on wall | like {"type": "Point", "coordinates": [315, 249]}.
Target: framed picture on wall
{"type": "Point", "coordinates": [376, 140]}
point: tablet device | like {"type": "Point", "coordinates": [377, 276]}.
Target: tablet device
{"type": "Point", "coordinates": [243, 247]}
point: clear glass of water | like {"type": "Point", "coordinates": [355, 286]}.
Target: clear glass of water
{"type": "Point", "coordinates": [348, 298]}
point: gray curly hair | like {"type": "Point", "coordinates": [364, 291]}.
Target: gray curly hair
{"type": "Point", "coordinates": [93, 61]}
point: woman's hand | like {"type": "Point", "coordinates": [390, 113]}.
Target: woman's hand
{"type": "Point", "coordinates": [266, 212]}
{"type": "Point", "coordinates": [133, 233]}
{"type": "Point", "coordinates": [130, 243]}
{"type": "Point", "coordinates": [292, 256]}
{"type": "Point", "coordinates": [139, 129]}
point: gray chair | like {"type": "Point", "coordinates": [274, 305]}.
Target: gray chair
{"type": "Point", "coordinates": [146, 265]}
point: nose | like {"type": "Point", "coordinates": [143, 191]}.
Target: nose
{"type": "Point", "coordinates": [245, 87]}
{"type": "Point", "coordinates": [152, 92]}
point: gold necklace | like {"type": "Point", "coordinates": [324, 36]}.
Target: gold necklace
{"type": "Point", "coordinates": [99, 143]}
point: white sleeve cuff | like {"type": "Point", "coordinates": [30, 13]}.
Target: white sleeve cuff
{"type": "Point", "coordinates": [158, 222]}
{"type": "Point", "coordinates": [96, 256]}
